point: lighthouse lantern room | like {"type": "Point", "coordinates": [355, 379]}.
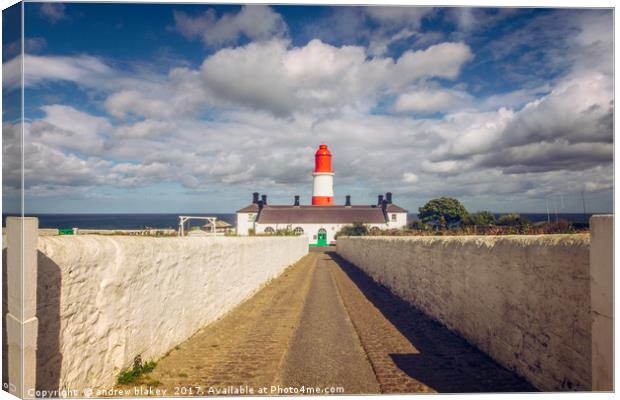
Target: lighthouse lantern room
{"type": "Point", "coordinates": [323, 219]}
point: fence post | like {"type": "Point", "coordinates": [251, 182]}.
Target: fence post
{"type": "Point", "coordinates": [21, 320]}
{"type": "Point", "coordinates": [601, 300]}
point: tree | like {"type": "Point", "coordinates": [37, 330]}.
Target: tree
{"type": "Point", "coordinates": [357, 229]}
{"type": "Point", "coordinates": [480, 219]}
{"type": "Point", "coordinates": [511, 220]}
{"type": "Point", "coordinates": [515, 223]}
{"type": "Point", "coordinates": [443, 212]}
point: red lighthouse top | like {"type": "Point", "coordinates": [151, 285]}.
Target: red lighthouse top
{"type": "Point", "coordinates": [323, 159]}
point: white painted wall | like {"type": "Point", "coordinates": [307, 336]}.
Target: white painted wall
{"type": "Point", "coordinates": [311, 230]}
{"type": "Point", "coordinates": [602, 299]}
{"type": "Point", "coordinates": [104, 300]}
{"type": "Point", "coordinates": [401, 221]}
{"type": "Point", "coordinates": [524, 300]}
{"type": "Point", "coordinates": [245, 222]}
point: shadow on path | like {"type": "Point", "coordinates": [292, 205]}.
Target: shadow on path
{"type": "Point", "coordinates": [446, 362]}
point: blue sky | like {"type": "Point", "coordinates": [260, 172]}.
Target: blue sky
{"type": "Point", "coordinates": [190, 108]}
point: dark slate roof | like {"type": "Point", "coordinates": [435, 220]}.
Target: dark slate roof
{"type": "Point", "coordinates": [320, 214]}
{"type": "Point", "coordinates": [249, 209]}
{"type": "Point", "coordinates": [396, 209]}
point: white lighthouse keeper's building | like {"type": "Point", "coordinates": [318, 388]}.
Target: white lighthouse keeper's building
{"type": "Point", "coordinates": [321, 220]}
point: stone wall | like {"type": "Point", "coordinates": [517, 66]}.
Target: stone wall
{"type": "Point", "coordinates": [524, 300]}
{"type": "Point", "coordinates": [103, 300]}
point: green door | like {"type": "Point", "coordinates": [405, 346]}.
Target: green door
{"type": "Point", "coordinates": [322, 238]}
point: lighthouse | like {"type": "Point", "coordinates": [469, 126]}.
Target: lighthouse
{"type": "Point", "coordinates": [323, 178]}
{"type": "Point", "coordinates": [321, 220]}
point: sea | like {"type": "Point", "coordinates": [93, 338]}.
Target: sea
{"type": "Point", "coordinates": [171, 221]}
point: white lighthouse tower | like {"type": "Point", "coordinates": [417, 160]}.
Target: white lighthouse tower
{"type": "Point", "coordinates": [323, 189]}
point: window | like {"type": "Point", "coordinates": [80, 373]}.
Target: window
{"type": "Point", "coordinates": [269, 230]}
{"type": "Point", "coordinates": [250, 217]}
{"type": "Point", "coordinates": [393, 217]}
{"type": "Point", "coordinates": [299, 230]}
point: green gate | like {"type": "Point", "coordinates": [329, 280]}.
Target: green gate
{"type": "Point", "coordinates": [322, 238]}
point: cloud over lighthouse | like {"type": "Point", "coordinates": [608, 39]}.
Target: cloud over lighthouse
{"type": "Point", "coordinates": [323, 182]}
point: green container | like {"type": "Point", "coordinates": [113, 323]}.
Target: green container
{"type": "Point", "coordinates": [65, 231]}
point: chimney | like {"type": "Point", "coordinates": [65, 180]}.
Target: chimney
{"type": "Point", "coordinates": [384, 205]}
{"type": "Point", "coordinates": [255, 198]}
{"type": "Point", "coordinates": [388, 197]}
{"type": "Point", "coordinates": [296, 200]}
{"type": "Point", "coordinates": [380, 201]}
{"type": "Point", "coordinates": [264, 199]}
{"type": "Point", "coordinates": [347, 202]}
{"type": "Point", "coordinates": [260, 205]}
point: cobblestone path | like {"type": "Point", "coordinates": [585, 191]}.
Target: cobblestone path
{"type": "Point", "coordinates": [325, 324]}
{"type": "Point", "coordinates": [243, 348]}
{"type": "Point", "coordinates": [326, 352]}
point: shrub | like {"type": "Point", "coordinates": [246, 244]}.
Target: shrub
{"type": "Point", "coordinates": [357, 229]}
{"type": "Point", "coordinates": [420, 226]}
{"type": "Point", "coordinates": [515, 224]}
{"type": "Point", "coordinates": [561, 226]}
{"type": "Point", "coordinates": [285, 232]}
{"type": "Point", "coordinates": [130, 375]}
{"type": "Point", "coordinates": [480, 219]}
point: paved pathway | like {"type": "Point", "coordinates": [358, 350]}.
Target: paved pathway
{"type": "Point", "coordinates": [326, 351]}
{"type": "Point", "coordinates": [325, 325]}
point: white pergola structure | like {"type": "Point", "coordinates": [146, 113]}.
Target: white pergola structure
{"type": "Point", "coordinates": [184, 218]}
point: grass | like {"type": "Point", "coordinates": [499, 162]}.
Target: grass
{"type": "Point", "coordinates": [131, 375]}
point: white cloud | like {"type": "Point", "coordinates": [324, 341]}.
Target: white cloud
{"type": "Point", "coordinates": [569, 129]}
{"type": "Point", "coordinates": [132, 101]}
{"type": "Point", "coordinates": [514, 100]}
{"type": "Point", "coordinates": [319, 76]}
{"type": "Point", "coordinates": [53, 12]}
{"type": "Point", "coordinates": [46, 166]}
{"type": "Point", "coordinates": [256, 22]}
{"type": "Point", "coordinates": [379, 43]}
{"type": "Point", "coordinates": [470, 19]}
{"type": "Point", "coordinates": [442, 60]}
{"type": "Point", "coordinates": [467, 133]}
{"type": "Point", "coordinates": [145, 129]}
{"type": "Point", "coordinates": [578, 110]}
{"type": "Point", "coordinates": [380, 26]}
{"type": "Point", "coordinates": [271, 76]}
{"type": "Point", "coordinates": [84, 70]}
{"type": "Point", "coordinates": [398, 16]}
{"type": "Point", "coordinates": [67, 128]}
{"type": "Point", "coordinates": [427, 100]}
{"type": "Point", "coordinates": [443, 167]}
{"type": "Point", "coordinates": [410, 177]}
